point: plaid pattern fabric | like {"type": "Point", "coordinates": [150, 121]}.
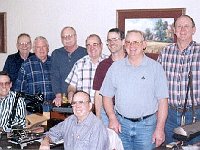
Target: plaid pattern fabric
{"type": "Point", "coordinates": [177, 65]}
{"type": "Point", "coordinates": [82, 75]}
{"type": "Point", "coordinates": [34, 77]}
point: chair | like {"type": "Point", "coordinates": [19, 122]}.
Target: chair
{"type": "Point", "coordinates": [115, 141]}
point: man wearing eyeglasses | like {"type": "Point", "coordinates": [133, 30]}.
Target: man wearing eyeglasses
{"type": "Point", "coordinates": [34, 75]}
{"type": "Point", "coordinates": [63, 60]}
{"type": "Point", "coordinates": [140, 88]}
{"type": "Point", "coordinates": [14, 61]}
{"type": "Point", "coordinates": [12, 110]}
{"type": "Point", "coordinates": [82, 74]}
{"type": "Point", "coordinates": [115, 43]}
{"type": "Point", "coordinates": [81, 131]}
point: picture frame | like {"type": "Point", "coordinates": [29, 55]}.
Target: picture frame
{"type": "Point", "coordinates": [3, 45]}
{"type": "Point", "coordinates": [134, 17]}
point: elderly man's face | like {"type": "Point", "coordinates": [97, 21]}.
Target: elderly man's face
{"type": "Point", "coordinates": [24, 44]}
{"type": "Point", "coordinates": [41, 49]}
{"type": "Point", "coordinates": [94, 47]}
{"type": "Point", "coordinates": [184, 29]}
{"type": "Point", "coordinates": [81, 105]}
{"type": "Point", "coordinates": [68, 37]}
{"type": "Point", "coordinates": [5, 85]}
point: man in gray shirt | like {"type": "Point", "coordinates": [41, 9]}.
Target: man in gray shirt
{"type": "Point", "coordinates": [81, 131]}
{"type": "Point", "coordinates": [139, 85]}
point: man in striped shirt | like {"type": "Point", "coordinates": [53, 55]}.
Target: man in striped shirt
{"type": "Point", "coordinates": [7, 104]}
{"type": "Point", "coordinates": [178, 60]}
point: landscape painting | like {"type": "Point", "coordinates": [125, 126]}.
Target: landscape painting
{"type": "Point", "coordinates": [157, 25]}
{"type": "Point", "coordinates": [158, 31]}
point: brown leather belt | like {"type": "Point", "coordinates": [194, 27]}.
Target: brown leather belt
{"type": "Point", "coordinates": [136, 119]}
{"type": "Point", "coordinates": [180, 109]}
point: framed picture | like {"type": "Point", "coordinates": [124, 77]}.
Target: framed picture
{"type": "Point", "coordinates": [2, 32]}
{"type": "Point", "coordinates": [157, 25]}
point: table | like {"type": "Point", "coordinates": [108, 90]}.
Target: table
{"type": "Point", "coordinates": [4, 144]}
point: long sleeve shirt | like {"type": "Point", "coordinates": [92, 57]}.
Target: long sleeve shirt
{"type": "Point", "coordinates": [62, 63]}
{"type": "Point", "coordinates": [12, 65]}
{"type": "Point", "coordinates": [90, 134]}
{"type": "Point", "coordinates": [34, 77]}
{"type": "Point", "coordinates": [6, 107]}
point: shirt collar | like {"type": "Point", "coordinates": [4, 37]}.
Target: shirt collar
{"type": "Point", "coordinates": [143, 63]}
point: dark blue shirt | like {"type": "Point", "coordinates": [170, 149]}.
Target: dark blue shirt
{"type": "Point", "coordinates": [13, 64]}
{"type": "Point", "coordinates": [62, 63]}
{"type": "Point", "coordinates": [34, 77]}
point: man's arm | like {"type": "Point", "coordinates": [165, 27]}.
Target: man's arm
{"type": "Point", "coordinates": [55, 73]}
{"type": "Point", "coordinates": [21, 112]}
{"type": "Point", "coordinates": [71, 90]}
{"type": "Point", "coordinates": [21, 83]}
{"type": "Point", "coordinates": [98, 104]}
{"type": "Point", "coordinates": [109, 108]}
{"type": "Point", "coordinates": [159, 135]}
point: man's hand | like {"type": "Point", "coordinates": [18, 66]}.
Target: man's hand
{"type": "Point", "coordinates": [158, 137]}
{"type": "Point", "coordinates": [114, 124]}
{"type": "Point", "coordinates": [58, 100]}
{"type": "Point", "coordinates": [45, 144]}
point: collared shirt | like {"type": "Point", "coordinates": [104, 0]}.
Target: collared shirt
{"type": "Point", "coordinates": [137, 90]}
{"type": "Point", "coordinates": [34, 78]}
{"type": "Point", "coordinates": [177, 65]}
{"type": "Point", "coordinates": [62, 63]}
{"type": "Point", "coordinates": [13, 64]}
{"type": "Point", "coordinates": [90, 134]}
{"type": "Point", "coordinates": [6, 107]}
{"type": "Point", "coordinates": [82, 75]}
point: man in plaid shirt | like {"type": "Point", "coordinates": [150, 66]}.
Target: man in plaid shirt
{"type": "Point", "coordinates": [82, 74]}
{"type": "Point", "coordinates": [34, 74]}
{"type": "Point", "coordinates": [177, 60]}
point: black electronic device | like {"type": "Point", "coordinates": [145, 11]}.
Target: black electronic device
{"type": "Point", "coordinates": [23, 137]}
{"type": "Point", "coordinates": [33, 102]}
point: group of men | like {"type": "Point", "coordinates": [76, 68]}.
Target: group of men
{"type": "Point", "coordinates": [140, 99]}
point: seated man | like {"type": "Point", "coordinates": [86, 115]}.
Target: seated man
{"type": "Point", "coordinates": [81, 131]}
{"type": "Point", "coordinates": [12, 109]}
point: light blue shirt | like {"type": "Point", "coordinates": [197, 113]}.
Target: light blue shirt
{"type": "Point", "coordinates": [90, 134]}
{"type": "Point", "coordinates": [137, 90]}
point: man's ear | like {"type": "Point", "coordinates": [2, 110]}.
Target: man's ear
{"type": "Point", "coordinates": [90, 105]}
{"type": "Point", "coordinates": [194, 30]}
{"type": "Point", "coordinates": [10, 84]}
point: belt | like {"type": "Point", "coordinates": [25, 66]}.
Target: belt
{"type": "Point", "coordinates": [180, 109]}
{"type": "Point", "coordinates": [136, 119]}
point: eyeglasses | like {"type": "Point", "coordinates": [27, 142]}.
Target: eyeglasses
{"type": "Point", "coordinates": [24, 43]}
{"type": "Point", "coordinates": [112, 40]}
{"type": "Point", "coordinates": [93, 45]}
{"type": "Point", "coordinates": [69, 36]}
{"type": "Point", "coordinates": [73, 103]}
{"type": "Point", "coordinates": [136, 43]}
{"type": "Point", "coordinates": [4, 84]}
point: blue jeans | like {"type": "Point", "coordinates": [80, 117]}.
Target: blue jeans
{"type": "Point", "coordinates": [137, 135]}
{"type": "Point", "coordinates": [174, 121]}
